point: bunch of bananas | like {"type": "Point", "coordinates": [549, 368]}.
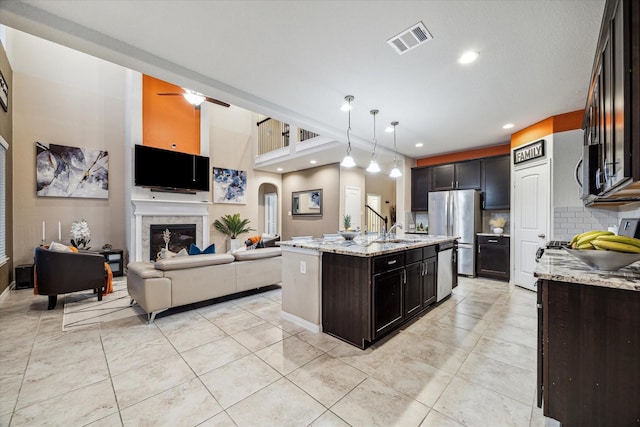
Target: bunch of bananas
{"type": "Point", "coordinates": [605, 241]}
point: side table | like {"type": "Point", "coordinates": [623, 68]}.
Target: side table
{"type": "Point", "coordinates": [24, 276]}
{"type": "Point", "coordinates": [113, 257]}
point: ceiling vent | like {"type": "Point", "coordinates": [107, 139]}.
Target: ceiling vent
{"type": "Point", "coordinates": [410, 38]}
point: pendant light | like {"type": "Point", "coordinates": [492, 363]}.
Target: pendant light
{"type": "Point", "coordinates": [373, 166]}
{"type": "Point", "coordinates": [395, 172]}
{"type": "Point", "coordinates": [348, 162]}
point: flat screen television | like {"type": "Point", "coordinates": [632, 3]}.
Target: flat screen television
{"type": "Point", "coordinates": [166, 170]}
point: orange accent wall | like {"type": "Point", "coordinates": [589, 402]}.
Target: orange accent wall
{"type": "Point", "coordinates": [465, 155]}
{"type": "Point", "coordinates": [168, 120]}
{"type": "Point", "coordinates": [554, 124]}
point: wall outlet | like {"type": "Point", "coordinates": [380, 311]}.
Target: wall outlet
{"type": "Point", "coordinates": [303, 267]}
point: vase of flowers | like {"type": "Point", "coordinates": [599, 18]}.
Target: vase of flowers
{"type": "Point", "coordinates": [80, 234]}
{"type": "Point", "coordinates": [498, 224]}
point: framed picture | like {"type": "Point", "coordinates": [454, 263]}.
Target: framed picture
{"type": "Point", "coordinates": [63, 171]}
{"type": "Point", "coordinates": [307, 203]}
{"type": "Point", "coordinates": [4, 93]}
{"type": "Point", "coordinates": [229, 186]}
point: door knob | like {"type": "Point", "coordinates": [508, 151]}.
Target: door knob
{"type": "Point", "coordinates": [542, 236]}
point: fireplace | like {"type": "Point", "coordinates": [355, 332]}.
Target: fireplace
{"type": "Point", "coordinates": [182, 236]}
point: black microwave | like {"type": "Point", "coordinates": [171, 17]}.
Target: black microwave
{"type": "Point", "coordinates": [587, 171]}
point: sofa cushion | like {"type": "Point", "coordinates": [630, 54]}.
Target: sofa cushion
{"type": "Point", "coordinates": [59, 247]}
{"type": "Point", "coordinates": [257, 254]}
{"type": "Point", "coordinates": [144, 270]}
{"type": "Point", "coordinates": [194, 250]}
{"type": "Point", "coordinates": [192, 261]}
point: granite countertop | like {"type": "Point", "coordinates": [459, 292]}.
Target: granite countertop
{"type": "Point", "coordinates": [493, 234]}
{"type": "Point", "coordinates": [366, 246]}
{"type": "Point", "coordinates": [559, 265]}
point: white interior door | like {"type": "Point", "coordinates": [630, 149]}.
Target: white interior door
{"type": "Point", "coordinates": [375, 202]}
{"type": "Point", "coordinates": [352, 206]}
{"type": "Point", "coordinates": [270, 213]}
{"type": "Point", "coordinates": [531, 220]}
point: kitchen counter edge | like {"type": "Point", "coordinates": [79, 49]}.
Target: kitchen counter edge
{"type": "Point", "coordinates": [558, 265]}
{"type": "Point", "coordinates": [367, 247]}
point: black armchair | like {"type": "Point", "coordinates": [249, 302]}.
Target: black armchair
{"type": "Point", "coordinates": [65, 272]}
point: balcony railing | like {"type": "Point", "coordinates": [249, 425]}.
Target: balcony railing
{"type": "Point", "coordinates": [274, 135]}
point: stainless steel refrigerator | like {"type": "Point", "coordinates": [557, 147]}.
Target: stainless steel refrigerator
{"type": "Point", "coordinates": [457, 213]}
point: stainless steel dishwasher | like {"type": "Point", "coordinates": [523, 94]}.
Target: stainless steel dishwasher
{"type": "Point", "coordinates": [445, 270]}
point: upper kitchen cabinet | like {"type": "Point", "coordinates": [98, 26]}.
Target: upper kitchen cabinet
{"type": "Point", "coordinates": [612, 113]}
{"type": "Point", "coordinates": [457, 176]}
{"type": "Point", "coordinates": [496, 178]}
{"type": "Point", "coordinates": [420, 187]}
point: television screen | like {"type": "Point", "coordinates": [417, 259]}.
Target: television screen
{"type": "Point", "coordinates": [170, 170]}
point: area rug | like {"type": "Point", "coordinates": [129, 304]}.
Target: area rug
{"type": "Point", "coordinates": [82, 309]}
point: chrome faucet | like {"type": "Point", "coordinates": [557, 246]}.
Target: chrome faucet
{"type": "Point", "coordinates": [393, 227]}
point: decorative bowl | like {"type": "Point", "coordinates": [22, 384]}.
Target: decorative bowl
{"type": "Point", "coordinates": [349, 235]}
{"type": "Point", "coordinates": [604, 260]}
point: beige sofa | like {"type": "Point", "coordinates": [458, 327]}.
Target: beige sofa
{"type": "Point", "coordinates": [184, 280]}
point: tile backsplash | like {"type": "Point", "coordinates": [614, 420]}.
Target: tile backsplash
{"type": "Point", "coordinates": [569, 221]}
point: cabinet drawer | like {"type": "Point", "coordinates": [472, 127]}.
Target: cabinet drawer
{"type": "Point", "coordinates": [388, 262]}
{"type": "Point", "coordinates": [493, 240]}
{"type": "Point", "coordinates": [413, 255]}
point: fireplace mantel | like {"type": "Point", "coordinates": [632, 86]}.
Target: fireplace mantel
{"type": "Point", "coordinates": [167, 208]}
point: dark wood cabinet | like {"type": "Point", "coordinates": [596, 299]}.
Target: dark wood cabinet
{"type": "Point", "coordinates": [429, 281]}
{"type": "Point", "coordinates": [457, 176]}
{"type": "Point", "coordinates": [493, 257]}
{"type": "Point", "coordinates": [420, 187]}
{"type": "Point", "coordinates": [413, 288]}
{"type": "Point", "coordinates": [612, 111]}
{"type": "Point", "coordinates": [496, 182]}
{"type": "Point", "coordinates": [588, 347]}
{"type": "Point", "coordinates": [366, 298]}
{"type": "Point", "coordinates": [468, 175]}
{"type": "Point", "coordinates": [444, 177]}
{"type": "Point", "coordinates": [388, 300]}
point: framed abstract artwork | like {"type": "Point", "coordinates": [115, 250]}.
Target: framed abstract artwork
{"type": "Point", "coordinates": [4, 93]}
{"type": "Point", "coordinates": [229, 186]}
{"type": "Point", "coordinates": [63, 171]}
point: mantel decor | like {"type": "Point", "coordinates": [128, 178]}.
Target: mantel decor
{"type": "Point", "coordinates": [306, 203]}
{"type": "Point", "coordinates": [63, 171]}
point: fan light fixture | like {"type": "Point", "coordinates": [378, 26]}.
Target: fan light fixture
{"type": "Point", "coordinates": [194, 98]}
{"type": "Point", "coordinates": [395, 172]}
{"type": "Point", "coordinates": [373, 166]}
{"type": "Point", "coordinates": [348, 162]}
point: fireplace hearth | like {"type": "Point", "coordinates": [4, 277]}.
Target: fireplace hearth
{"type": "Point", "coordinates": [182, 236]}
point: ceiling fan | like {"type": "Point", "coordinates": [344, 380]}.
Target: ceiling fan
{"type": "Point", "coordinates": [196, 98]}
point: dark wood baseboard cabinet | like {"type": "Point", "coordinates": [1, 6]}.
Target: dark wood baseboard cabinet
{"type": "Point", "coordinates": [493, 258]}
{"type": "Point", "coordinates": [589, 354]}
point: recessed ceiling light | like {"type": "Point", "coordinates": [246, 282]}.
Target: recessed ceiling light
{"type": "Point", "coordinates": [507, 126]}
{"type": "Point", "coordinates": [419, 144]}
{"type": "Point", "coordinates": [279, 169]}
{"type": "Point", "coordinates": [468, 57]}
{"type": "Point", "coordinates": [313, 162]}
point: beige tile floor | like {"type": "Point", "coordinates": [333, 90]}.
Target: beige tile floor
{"type": "Point", "coordinates": [468, 362]}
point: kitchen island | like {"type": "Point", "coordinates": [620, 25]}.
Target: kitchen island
{"type": "Point", "coordinates": [588, 342]}
{"type": "Point", "coordinates": [360, 290]}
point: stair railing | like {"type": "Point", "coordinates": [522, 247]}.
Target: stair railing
{"type": "Point", "coordinates": [376, 223]}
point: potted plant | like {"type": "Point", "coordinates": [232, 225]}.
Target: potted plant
{"type": "Point", "coordinates": [232, 226]}
{"type": "Point", "coordinates": [346, 222]}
